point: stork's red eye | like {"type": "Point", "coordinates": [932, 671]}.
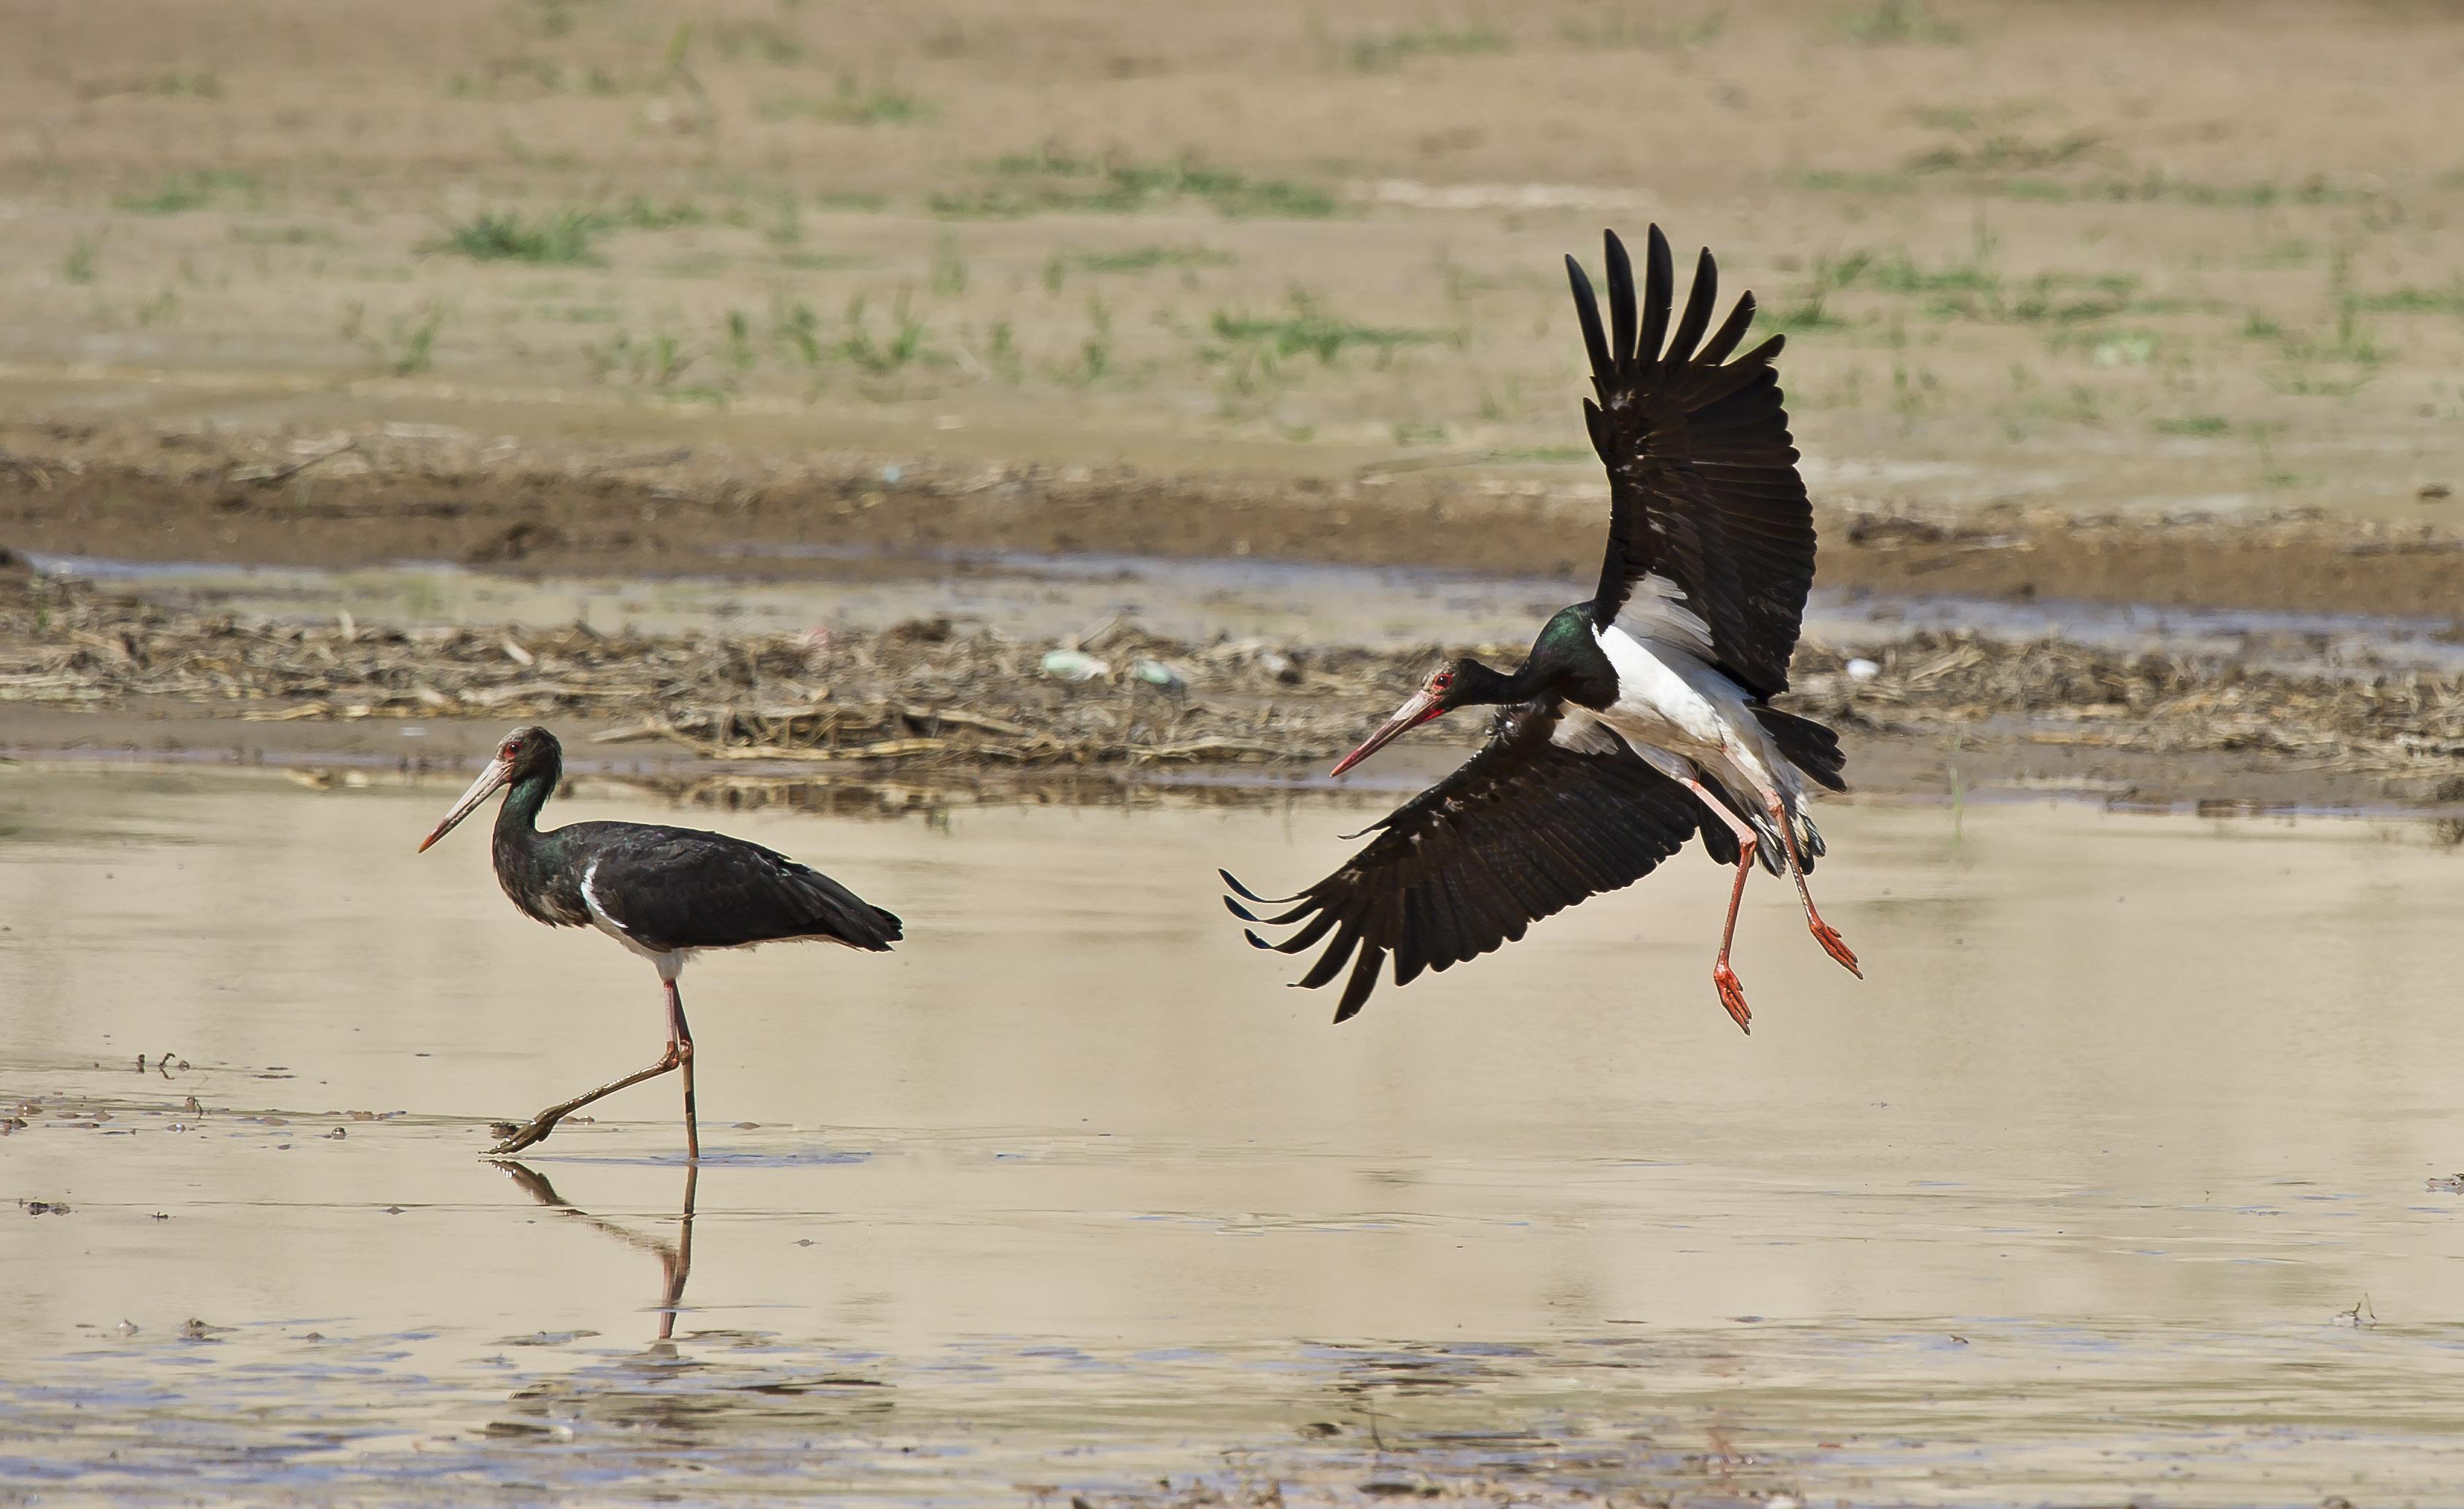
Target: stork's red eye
{"type": "Point", "coordinates": [1441, 681]}
{"type": "Point", "coordinates": [513, 747]}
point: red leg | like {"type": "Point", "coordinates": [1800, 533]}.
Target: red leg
{"type": "Point", "coordinates": [1824, 933]}
{"type": "Point", "coordinates": [1732, 993]}
{"type": "Point", "coordinates": [680, 1046]}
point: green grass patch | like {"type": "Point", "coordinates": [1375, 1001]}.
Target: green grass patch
{"type": "Point", "coordinates": [948, 279]}
{"type": "Point", "coordinates": [1392, 50]}
{"type": "Point", "coordinates": [2008, 154]}
{"type": "Point", "coordinates": [181, 192]}
{"type": "Point", "coordinates": [1812, 311]}
{"type": "Point", "coordinates": [639, 213]}
{"type": "Point", "coordinates": [819, 261]}
{"type": "Point", "coordinates": [2110, 347]}
{"type": "Point", "coordinates": [557, 238]}
{"type": "Point", "coordinates": [2447, 300]}
{"type": "Point", "coordinates": [902, 344]}
{"type": "Point", "coordinates": [1828, 182]}
{"type": "Point", "coordinates": [654, 362]}
{"type": "Point", "coordinates": [195, 85]}
{"type": "Point", "coordinates": [1146, 258]}
{"type": "Point", "coordinates": [1310, 330]}
{"type": "Point", "coordinates": [1891, 23]}
{"type": "Point", "coordinates": [83, 260]}
{"type": "Point", "coordinates": [1628, 29]}
{"type": "Point", "coordinates": [851, 103]}
{"type": "Point", "coordinates": [1543, 454]}
{"type": "Point", "coordinates": [2151, 189]}
{"type": "Point", "coordinates": [2158, 188]}
{"type": "Point", "coordinates": [414, 341]}
{"type": "Point", "coordinates": [2300, 381]}
{"type": "Point", "coordinates": [1046, 181]}
{"type": "Point", "coordinates": [2202, 426]}
{"type": "Point", "coordinates": [851, 199]}
{"type": "Point", "coordinates": [1969, 289]}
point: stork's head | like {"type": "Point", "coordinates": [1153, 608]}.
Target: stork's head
{"type": "Point", "coordinates": [1459, 684]}
{"type": "Point", "coordinates": [524, 754]}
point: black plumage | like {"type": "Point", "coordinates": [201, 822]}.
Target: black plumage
{"type": "Point", "coordinates": [665, 892]}
{"type": "Point", "coordinates": [1639, 717]}
{"type": "Point", "coordinates": [675, 890]}
{"type": "Point", "coordinates": [1523, 830]}
{"type": "Point", "coordinates": [1703, 490]}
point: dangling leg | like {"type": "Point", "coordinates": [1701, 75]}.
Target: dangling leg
{"type": "Point", "coordinates": [1824, 933]}
{"type": "Point", "coordinates": [679, 1056]}
{"type": "Point", "coordinates": [1732, 994]}
{"type": "Point", "coordinates": [536, 1130]}
{"type": "Point", "coordinates": [680, 1048]}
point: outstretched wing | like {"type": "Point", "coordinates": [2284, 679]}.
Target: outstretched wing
{"type": "Point", "coordinates": [1543, 816]}
{"type": "Point", "coordinates": [675, 888]}
{"type": "Point", "coordinates": [1706, 510]}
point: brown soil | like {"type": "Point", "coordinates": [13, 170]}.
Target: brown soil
{"type": "Point", "coordinates": [2074, 260]}
{"type": "Point", "coordinates": [94, 491]}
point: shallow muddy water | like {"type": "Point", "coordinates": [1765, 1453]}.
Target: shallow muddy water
{"type": "Point", "coordinates": [2109, 1181]}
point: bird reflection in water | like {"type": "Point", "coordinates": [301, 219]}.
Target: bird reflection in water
{"type": "Point", "coordinates": [675, 1257]}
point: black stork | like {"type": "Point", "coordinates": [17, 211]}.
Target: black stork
{"type": "Point", "coordinates": [1640, 715]}
{"type": "Point", "coordinates": [664, 893]}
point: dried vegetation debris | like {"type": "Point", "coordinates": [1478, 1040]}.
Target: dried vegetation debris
{"type": "Point", "coordinates": [920, 691]}
{"type": "Point", "coordinates": [929, 693]}
{"type": "Point", "coordinates": [2051, 691]}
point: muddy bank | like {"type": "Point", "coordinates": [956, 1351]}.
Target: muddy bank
{"type": "Point", "coordinates": [930, 702]}
{"type": "Point", "coordinates": [412, 493]}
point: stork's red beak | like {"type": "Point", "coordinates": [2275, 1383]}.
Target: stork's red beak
{"type": "Point", "coordinates": [492, 779]}
{"type": "Point", "coordinates": [1422, 707]}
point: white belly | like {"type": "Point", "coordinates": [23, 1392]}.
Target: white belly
{"type": "Point", "coordinates": [1675, 701]}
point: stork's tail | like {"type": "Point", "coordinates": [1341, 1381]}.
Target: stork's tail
{"type": "Point", "coordinates": [1809, 745]}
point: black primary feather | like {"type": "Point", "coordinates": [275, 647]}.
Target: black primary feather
{"type": "Point", "coordinates": [1523, 830]}
{"type": "Point", "coordinates": [1703, 482]}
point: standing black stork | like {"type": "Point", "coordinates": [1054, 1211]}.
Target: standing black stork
{"type": "Point", "coordinates": [665, 892]}
{"type": "Point", "coordinates": [1639, 716]}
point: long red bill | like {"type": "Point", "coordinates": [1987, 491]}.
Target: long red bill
{"type": "Point", "coordinates": [497, 774]}
{"type": "Point", "coordinates": [1422, 708]}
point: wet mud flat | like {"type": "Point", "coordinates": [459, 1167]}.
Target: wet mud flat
{"type": "Point", "coordinates": [1004, 1217]}
{"type": "Point", "coordinates": [540, 503]}
{"type": "Point", "coordinates": [1931, 703]}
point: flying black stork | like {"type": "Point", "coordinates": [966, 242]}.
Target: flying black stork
{"type": "Point", "coordinates": [664, 893]}
{"type": "Point", "coordinates": [1640, 715]}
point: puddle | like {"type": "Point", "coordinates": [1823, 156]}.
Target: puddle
{"type": "Point", "coordinates": [2109, 1181]}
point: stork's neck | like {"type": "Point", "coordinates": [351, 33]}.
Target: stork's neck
{"type": "Point", "coordinates": [522, 867]}
{"type": "Point", "coordinates": [1565, 663]}
{"type": "Point", "coordinates": [519, 818]}
{"type": "Point", "coordinates": [1489, 687]}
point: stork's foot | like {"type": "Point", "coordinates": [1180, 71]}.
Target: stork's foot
{"type": "Point", "coordinates": [529, 1133]}
{"type": "Point", "coordinates": [1732, 996]}
{"type": "Point", "coordinates": [1835, 946]}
